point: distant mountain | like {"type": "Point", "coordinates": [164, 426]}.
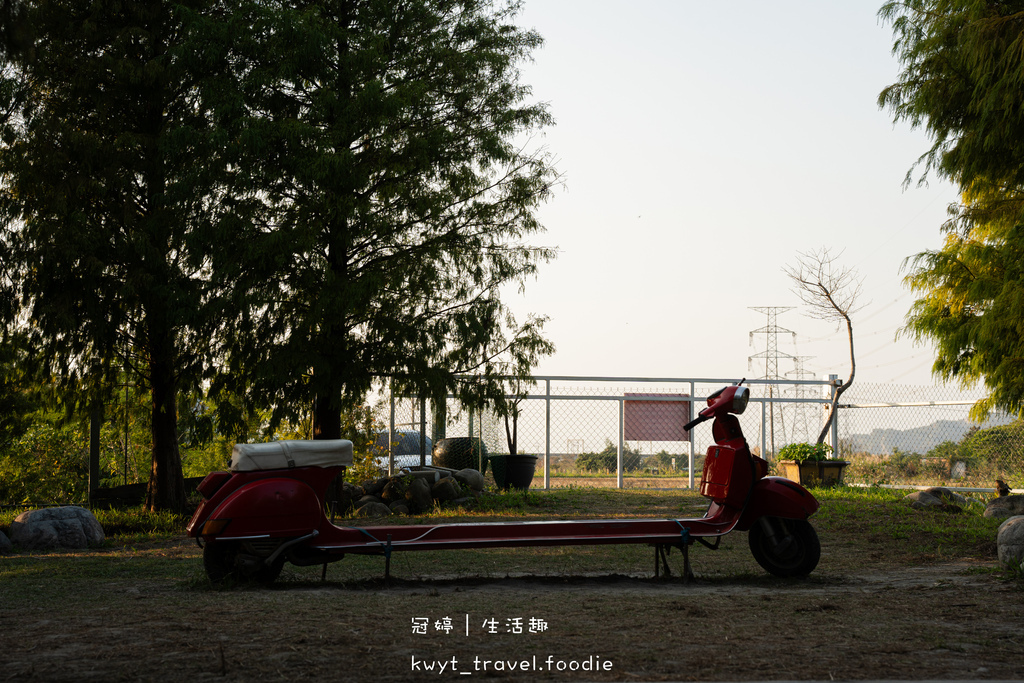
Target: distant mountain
{"type": "Point", "coordinates": [915, 440]}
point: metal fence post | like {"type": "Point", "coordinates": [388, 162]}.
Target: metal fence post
{"type": "Point", "coordinates": [835, 419]}
{"type": "Point", "coordinates": [391, 428]}
{"type": "Point", "coordinates": [547, 434]}
{"type": "Point", "coordinates": [693, 410]}
{"type": "Point", "coordinates": [622, 442]}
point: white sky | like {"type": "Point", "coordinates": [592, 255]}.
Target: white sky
{"type": "Point", "coordinates": [703, 145]}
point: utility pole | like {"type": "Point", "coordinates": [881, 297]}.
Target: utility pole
{"type": "Point", "coordinates": [771, 356]}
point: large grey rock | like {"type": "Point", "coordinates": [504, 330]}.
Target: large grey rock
{"type": "Point", "coordinates": [446, 489]}
{"type": "Point", "coordinates": [1005, 506]}
{"type": "Point", "coordinates": [419, 496]}
{"type": "Point", "coordinates": [1010, 542]}
{"type": "Point", "coordinates": [5, 544]}
{"type": "Point", "coordinates": [470, 478]}
{"type": "Point", "coordinates": [63, 527]}
{"type": "Point", "coordinates": [394, 490]}
{"type": "Point", "coordinates": [936, 498]}
{"type": "Point", "coordinates": [373, 509]}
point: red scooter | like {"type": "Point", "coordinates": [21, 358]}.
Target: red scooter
{"type": "Point", "coordinates": [270, 508]}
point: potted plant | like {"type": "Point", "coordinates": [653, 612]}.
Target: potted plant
{"type": "Point", "coordinates": [810, 464]}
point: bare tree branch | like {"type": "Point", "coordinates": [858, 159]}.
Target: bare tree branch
{"type": "Point", "coordinates": [830, 291]}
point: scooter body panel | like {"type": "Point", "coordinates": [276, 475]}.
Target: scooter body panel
{"type": "Point", "coordinates": [276, 503]}
{"type": "Point", "coordinates": [729, 471]}
{"type": "Point", "coordinates": [275, 507]}
{"type": "Point", "coordinates": [777, 497]}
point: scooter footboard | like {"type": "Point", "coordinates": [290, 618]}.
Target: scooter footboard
{"type": "Point", "coordinates": [777, 497]}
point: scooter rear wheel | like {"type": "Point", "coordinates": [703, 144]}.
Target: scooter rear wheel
{"type": "Point", "coordinates": [225, 561]}
{"type": "Point", "coordinates": [793, 552]}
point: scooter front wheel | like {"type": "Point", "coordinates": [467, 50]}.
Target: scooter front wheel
{"type": "Point", "coordinates": [225, 560]}
{"type": "Point", "coordinates": [785, 547]}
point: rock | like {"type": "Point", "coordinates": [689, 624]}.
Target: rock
{"type": "Point", "coordinates": [366, 500]}
{"type": "Point", "coordinates": [446, 489]}
{"type": "Point", "coordinates": [1010, 542]}
{"type": "Point", "coordinates": [399, 507]}
{"type": "Point", "coordinates": [419, 496]}
{"type": "Point", "coordinates": [394, 490]}
{"type": "Point", "coordinates": [347, 497]}
{"type": "Point", "coordinates": [1005, 506]}
{"type": "Point", "coordinates": [373, 509]}
{"type": "Point", "coordinates": [374, 486]}
{"type": "Point", "coordinates": [936, 498]}
{"type": "Point", "coordinates": [470, 478]}
{"type": "Point", "coordinates": [5, 544]}
{"type": "Point", "coordinates": [63, 527]}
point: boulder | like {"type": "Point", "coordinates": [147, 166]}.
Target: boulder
{"type": "Point", "coordinates": [1010, 542]}
{"type": "Point", "coordinates": [1005, 506]}
{"type": "Point", "coordinates": [418, 495]}
{"type": "Point", "coordinates": [373, 509]}
{"type": "Point", "coordinates": [471, 479]}
{"type": "Point", "coordinates": [394, 490]}
{"type": "Point", "coordinates": [63, 527]}
{"type": "Point", "coordinates": [446, 489]}
{"type": "Point", "coordinates": [374, 487]}
{"type": "Point", "coordinates": [936, 498]}
{"type": "Point", "coordinates": [5, 544]}
{"type": "Point", "coordinates": [399, 507]}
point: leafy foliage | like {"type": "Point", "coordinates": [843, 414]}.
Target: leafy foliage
{"type": "Point", "coordinates": [387, 197]}
{"type": "Point", "coordinates": [607, 460]}
{"type": "Point", "coordinates": [47, 464]}
{"type": "Point", "coordinates": [111, 173]}
{"type": "Point", "coordinates": [963, 71]}
{"type": "Point", "coordinates": [805, 452]}
{"type": "Point", "coordinates": [291, 200]}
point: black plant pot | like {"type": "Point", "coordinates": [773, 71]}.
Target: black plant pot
{"type": "Point", "coordinates": [513, 471]}
{"type": "Point", "coordinates": [460, 452]}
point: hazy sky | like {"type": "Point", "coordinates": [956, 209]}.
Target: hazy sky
{"type": "Point", "coordinates": [703, 145]}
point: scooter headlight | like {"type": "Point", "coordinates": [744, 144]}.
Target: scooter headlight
{"type": "Point", "coordinates": [740, 399]}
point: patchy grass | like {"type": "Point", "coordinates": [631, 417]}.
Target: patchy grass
{"type": "Point", "coordinates": [859, 529]}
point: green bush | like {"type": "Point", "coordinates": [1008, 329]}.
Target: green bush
{"type": "Point", "coordinates": [805, 452]}
{"type": "Point", "coordinates": [47, 464]}
{"type": "Point", "coordinates": [607, 460]}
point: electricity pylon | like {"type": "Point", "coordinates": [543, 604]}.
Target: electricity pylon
{"type": "Point", "coordinates": [771, 356]}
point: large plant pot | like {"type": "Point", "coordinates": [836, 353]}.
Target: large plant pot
{"type": "Point", "coordinates": [513, 471]}
{"type": "Point", "coordinates": [460, 452]}
{"type": "Point", "coordinates": [815, 473]}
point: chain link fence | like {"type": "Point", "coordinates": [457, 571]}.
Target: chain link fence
{"type": "Point", "coordinates": [627, 432]}
{"type": "Point", "coordinates": [922, 436]}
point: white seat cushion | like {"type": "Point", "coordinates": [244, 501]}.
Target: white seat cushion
{"type": "Point", "coordinates": [279, 455]}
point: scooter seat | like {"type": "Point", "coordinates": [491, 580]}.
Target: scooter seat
{"type": "Point", "coordinates": [280, 455]}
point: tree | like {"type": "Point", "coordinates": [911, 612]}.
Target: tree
{"type": "Point", "coordinates": [110, 162]}
{"type": "Point", "coordinates": [962, 79]}
{"type": "Point", "coordinates": [971, 307]}
{"type": "Point", "coordinates": [830, 292]}
{"type": "Point", "coordinates": [389, 184]}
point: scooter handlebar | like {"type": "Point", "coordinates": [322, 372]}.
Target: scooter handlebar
{"type": "Point", "coordinates": [694, 423]}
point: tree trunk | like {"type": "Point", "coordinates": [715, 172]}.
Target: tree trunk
{"type": "Point", "coordinates": [326, 418]}
{"type": "Point", "coordinates": [842, 388]}
{"type": "Point", "coordinates": [166, 483]}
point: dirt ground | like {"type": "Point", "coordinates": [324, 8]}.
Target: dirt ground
{"type": "Point", "coordinates": [941, 621]}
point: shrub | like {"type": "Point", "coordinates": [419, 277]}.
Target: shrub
{"type": "Point", "coordinates": [805, 452]}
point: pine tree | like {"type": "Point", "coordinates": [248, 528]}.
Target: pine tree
{"type": "Point", "coordinates": [963, 81]}
{"type": "Point", "coordinates": [109, 159]}
{"type": "Point", "coordinates": [389, 182]}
